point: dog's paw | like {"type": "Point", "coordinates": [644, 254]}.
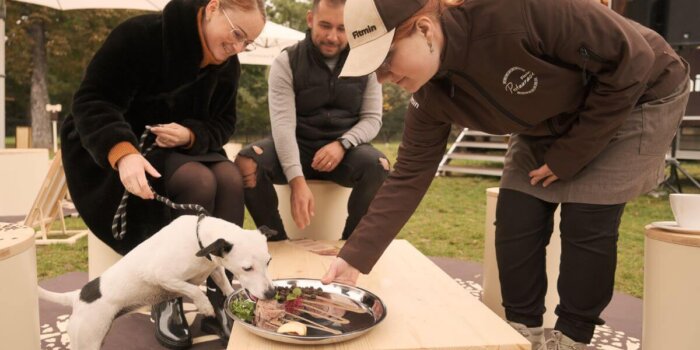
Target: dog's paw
{"type": "Point", "coordinates": [206, 309]}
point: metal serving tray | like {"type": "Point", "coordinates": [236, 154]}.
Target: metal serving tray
{"type": "Point", "coordinates": [359, 323]}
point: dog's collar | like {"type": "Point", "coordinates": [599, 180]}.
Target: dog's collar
{"type": "Point", "coordinates": [201, 246]}
{"type": "Point", "coordinates": [199, 241]}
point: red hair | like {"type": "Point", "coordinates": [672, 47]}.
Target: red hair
{"type": "Point", "coordinates": [432, 9]}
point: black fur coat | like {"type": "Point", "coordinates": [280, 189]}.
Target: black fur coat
{"type": "Point", "coordinates": [146, 72]}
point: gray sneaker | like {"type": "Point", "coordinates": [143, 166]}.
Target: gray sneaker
{"type": "Point", "coordinates": [561, 342]}
{"type": "Point", "coordinates": [535, 335]}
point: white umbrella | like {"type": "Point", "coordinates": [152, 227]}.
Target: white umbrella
{"type": "Point", "coordinates": [152, 5]}
{"type": "Point", "coordinates": [271, 41]}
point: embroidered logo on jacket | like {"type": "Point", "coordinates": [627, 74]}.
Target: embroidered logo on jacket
{"type": "Point", "coordinates": [520, 81]}
{"type": "Point", "coordinates": [359, 33]}
{"type": "Point", "coordinates": [414, 103]}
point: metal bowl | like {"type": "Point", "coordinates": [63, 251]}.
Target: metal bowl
{"type": "Point", "coordinates": [360, 323]}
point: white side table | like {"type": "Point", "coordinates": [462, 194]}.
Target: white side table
{"type": "Point", "coordinates": [19, 298]}
{"type": "Point", "coordinates": [492, 286]}
{"type": "Point", "coordinates": [671, 290]}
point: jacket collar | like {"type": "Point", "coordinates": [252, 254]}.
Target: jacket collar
{"type": "Point", "coordinates": [455, 28]}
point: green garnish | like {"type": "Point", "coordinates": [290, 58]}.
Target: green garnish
{"type": "Point", "coordinates": [296, 292]}
{"type": "Point", "coordinates": [243, 309]}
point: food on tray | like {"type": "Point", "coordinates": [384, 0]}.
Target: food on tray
{"type": "Point", "coordinates": [293, 327]}
{"type": "Point", "coordinates": [267, 312]}
{"type": "Point", "coordinates": [243, 308]}
{"type": "Point", "coordinates": [293, 306]}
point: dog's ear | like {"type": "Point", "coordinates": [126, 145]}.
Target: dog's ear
{"type": "Point", "coordinates": [218, 248]}
{"type": "Point", "coordinates": [268, 232]}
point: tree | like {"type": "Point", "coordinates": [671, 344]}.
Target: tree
{"type": "Point", "coordinates": [290, 13]}
{"type": "Point", "coordinates": [47, 52]}
{"type": "Point", "coordinates": [395, 104]}
{"type": "Point", "coordinates": [253, 116]}
{"type": "Point", "coordinates": [252, 103]}
{"type": "Point", "coordinates": [70, 39]}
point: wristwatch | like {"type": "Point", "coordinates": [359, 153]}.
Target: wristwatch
{"type": "Point", "coordinates": [345, 143]}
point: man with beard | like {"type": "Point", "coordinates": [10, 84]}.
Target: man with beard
{"type": "Point", "coordinates": [321, 127]}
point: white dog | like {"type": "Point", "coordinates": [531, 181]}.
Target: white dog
{"type": "Point", "coordinates": [167, 265]}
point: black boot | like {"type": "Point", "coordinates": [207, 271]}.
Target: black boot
{"type": "Point", "coordinates": [221, 324]}
{"type": "Point", "coordinates": [172, 330]}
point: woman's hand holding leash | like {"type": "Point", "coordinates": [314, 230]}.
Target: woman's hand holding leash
{"type": "Point", "coordinates": [543, 173]}
{"type": "Point", "coordinates": [132, 172]}
{"type": "Point", "coordinates": [171, 135]}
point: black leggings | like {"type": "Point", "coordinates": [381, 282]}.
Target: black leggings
{"type": "Point", "coordinates": [218, 187]}
{"type": "Point", "coordinates": [589, 235]}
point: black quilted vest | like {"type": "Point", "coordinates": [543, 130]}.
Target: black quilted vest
{"type": "Point", "coordinates": [326, 106]}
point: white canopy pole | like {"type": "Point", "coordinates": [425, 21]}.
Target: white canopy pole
{"type": "Point", "coordinates": [3, 13]}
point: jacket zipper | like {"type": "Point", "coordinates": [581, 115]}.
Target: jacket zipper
{"type": "Point", "coordinates": [587, 54]}
{"type": "Point", "coordinates": [492, 100]}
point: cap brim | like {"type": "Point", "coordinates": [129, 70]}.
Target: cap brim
{"type": "Point", "coordinates": [366, 58]}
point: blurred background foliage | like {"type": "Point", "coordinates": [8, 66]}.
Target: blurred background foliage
{"type": "Point", "coordinates": [70, 38]}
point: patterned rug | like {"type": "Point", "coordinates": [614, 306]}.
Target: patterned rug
{"type": "Point", "coordinates": [136, 331]}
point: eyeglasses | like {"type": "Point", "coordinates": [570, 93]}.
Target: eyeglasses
{"type": "Point", "coordinates": [239, 35]}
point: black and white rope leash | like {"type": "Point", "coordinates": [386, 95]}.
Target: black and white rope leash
{"type": "Point", "coordinates": [119, 223]}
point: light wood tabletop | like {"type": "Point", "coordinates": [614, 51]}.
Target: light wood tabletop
{"type": "Point", "coordinates": [426, 308]}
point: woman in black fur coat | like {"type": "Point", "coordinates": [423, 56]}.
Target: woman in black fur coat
{"type": "Point", "coordinates": [176, 71]}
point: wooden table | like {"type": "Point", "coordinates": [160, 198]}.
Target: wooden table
{"type": "Point", "coordinates": [426, 308]}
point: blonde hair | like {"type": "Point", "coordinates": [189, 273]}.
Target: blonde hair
{"type": "Point", "coordinates": [246, 5]}
{"type": "Point", "coordinates": [432, 9]}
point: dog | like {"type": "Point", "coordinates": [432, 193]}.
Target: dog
{"type": "Point", "coordinates": [167, 265]}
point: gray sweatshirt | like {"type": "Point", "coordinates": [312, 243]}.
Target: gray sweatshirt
{"type": "Point", "coordinates": [283, 116]}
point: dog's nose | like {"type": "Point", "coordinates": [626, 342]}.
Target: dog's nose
{"type": "Point", "coordinates": [270, 293]}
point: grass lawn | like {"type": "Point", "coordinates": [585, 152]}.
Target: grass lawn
{"type": "Point", "coordinates": [10, 142]}
{"type": "Point", "coordinates": [449, 223]}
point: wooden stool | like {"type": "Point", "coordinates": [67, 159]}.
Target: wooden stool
{"type": "Point", "coordinates": [671, 290]}
{"type": "Point", "coordinates": [19, 318]}
{"type": "Point", "coordinates": [232, 149]}
{"type": "Point", "coordinates": [331, 203]}
{"type": "Point", "coordinates": [491, 284]}
{"type": "Point", "coordinates": [100, 256]}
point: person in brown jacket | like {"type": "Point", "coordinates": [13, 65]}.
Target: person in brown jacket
{"type": "Point", "coordinates": [592, 101]}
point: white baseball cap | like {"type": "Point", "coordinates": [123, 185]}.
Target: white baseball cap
{"type": "Point", "coordinates": [370, 27]}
